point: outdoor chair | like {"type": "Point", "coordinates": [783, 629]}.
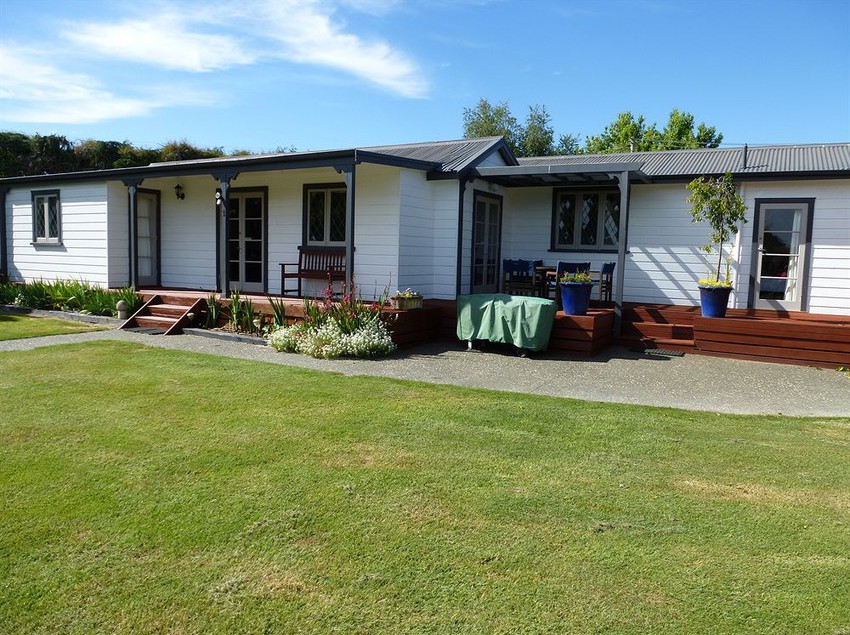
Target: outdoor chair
{"type": "Point", "coordinates": [562, 268]}
{"type": "Point", "coordinates": [519, 277]}
{"type": "Point", "coordinates": [606, 281]}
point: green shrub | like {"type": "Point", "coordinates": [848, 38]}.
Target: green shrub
{"type": "Point", "coordinates": [68, 295]}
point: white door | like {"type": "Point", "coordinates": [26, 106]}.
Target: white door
{"type": "Point", "coordinates": [245, 253]}
{"type": "Point", "coordinates": [781, 256]}
{"type": "Point", "coordinates": [147, 238]}
{"type": "Point", "coordinates": [486, 244]}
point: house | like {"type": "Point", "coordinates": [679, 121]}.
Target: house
{"type": "Point", "coordinates": [440, 217]}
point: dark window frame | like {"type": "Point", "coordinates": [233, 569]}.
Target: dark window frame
{"type": "Point", "coordinates": [305, 213]}
{"type": "Point", "coordinates": [46, 239]}
{"type": "Point", "coordinates": [807, 243]}
{"type": "Point", "coordinates": [576, 246]}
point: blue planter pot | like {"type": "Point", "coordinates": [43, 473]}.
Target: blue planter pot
{"type": "Point", "coordinates": [714, 300]}
{"type": "Point", "coordinates": [575, 297]}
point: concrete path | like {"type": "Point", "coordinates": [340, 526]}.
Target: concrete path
{"type": "Point", "coordinates": [692, 382]}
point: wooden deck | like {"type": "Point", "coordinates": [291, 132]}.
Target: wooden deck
{"type": "Point", "coordinates": [757, 334]}
{"type": "Point", "coordinates": [774, 336]}
{"type": "Point", "coordinates": [408, 328]}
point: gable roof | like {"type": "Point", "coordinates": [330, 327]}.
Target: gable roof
{"type": "Point", "coordinates": [829, 159]}
{"type": "Point", "coordinates": [452, 156]}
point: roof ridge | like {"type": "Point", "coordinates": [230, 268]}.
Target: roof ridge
{"type": "Point", "coordinates": [425, 143]}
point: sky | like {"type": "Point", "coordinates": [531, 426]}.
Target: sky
{"type": "Point", "coordinates": [259, 75]}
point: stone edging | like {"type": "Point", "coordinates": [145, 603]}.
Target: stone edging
{"type": "Point", "coordinates": [61, 315]}
{"type": "Point", "coordinates": [227, 337]}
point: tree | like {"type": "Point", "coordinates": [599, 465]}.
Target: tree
{"type": "Point", "coordinates": [92, 154]}
{"type": "Point", "coordinates": [15, 154]}
{"type": "Point", "coordinates": [630, 134]}
{"type": "Point", "coordinates": [487, 120]}
{"type": "Point", "coordinates": [537, 136]}
{"type": "Point", "coordinates": [679, 133]}
{"type": "Point", "coordinates": [50, 154]}
{"type": "Point", "coordinates": [129, 156]}
{"type": "Point", "coordinates": [624, 134]}
{"type": "Point", "coordinates": [568, 144]}
{"type": "Point", "coordinates": [182, 150]}
{"type": "Point", "coordinates": [717, 202]}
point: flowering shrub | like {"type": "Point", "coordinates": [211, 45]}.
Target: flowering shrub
{"type": "Point", "coordinates": [346, 328]}
{"type": "Point", "coordinates": [715, 284]}
{"type": "Point", "coordinates": [579, 276]}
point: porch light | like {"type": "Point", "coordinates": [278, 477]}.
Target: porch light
{"type": "Point", "coordinates": [178, 192]}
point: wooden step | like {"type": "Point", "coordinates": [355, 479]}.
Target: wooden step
{"type": "Point", "coordinates": [655, 330]}
{"type": "Point", "coordinates": [155, 322]}
{"type": "Point", "coordinates": [168, 310]}
{"type": "Point", "coordinates": [660, 313]}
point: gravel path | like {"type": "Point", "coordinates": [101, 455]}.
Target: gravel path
{"type": "Point", "coordinates": [693, 382]}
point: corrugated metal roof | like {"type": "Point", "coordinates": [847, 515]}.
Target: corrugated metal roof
{"type": "Point", "coordinates": [831, 157]}
{"type": "Point", "coordinates": [451, 155]}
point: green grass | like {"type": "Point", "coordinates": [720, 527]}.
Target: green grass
{"type": "Point", "coordinates": [14, 327]}
{"type": "Point", "coordinates": [147, 490]}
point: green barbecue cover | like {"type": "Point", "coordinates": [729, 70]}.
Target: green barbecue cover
{"type": "Point", "coordinates": [525, 322]}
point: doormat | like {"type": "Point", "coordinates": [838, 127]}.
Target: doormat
{"type": "Point", "coordinates": [666, 352]}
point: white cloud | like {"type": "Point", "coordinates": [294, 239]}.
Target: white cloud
{"type": "Point", "coordinates": [309, 36]}
{"type": "Point", "coordinates": [162, 40]}
{"type": "Point", "coordinates": [39, 86]}
{"type": "Point", "coordinates": [300, 31]}
{"type": "Point", "coordinates": [38, 92]}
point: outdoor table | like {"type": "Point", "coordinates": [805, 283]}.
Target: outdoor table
{"type": "Point", "coordinates": [524, 321]}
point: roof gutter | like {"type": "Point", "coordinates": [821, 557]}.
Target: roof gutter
{"type": "Point", "coordinates": [332, 159]}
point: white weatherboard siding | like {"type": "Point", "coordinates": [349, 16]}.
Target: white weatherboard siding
{"type": "Point", "coordinates": [376, 229]}
{"type": "Point", "coordinates": [118, 237]}
{"type": "Point", "coordinates": [187, 232]}
{"type": "Point", "coordinates": [829, 272]}
{"type": "Point", "coordinates": [83, 252]}
{"type": "Point", "coordinates": [428, 235]}
{"type": "Point", "coordinates": [445, 199]}
{"type": "Point", "coordinates": [416, 234]}
{"type": "Point", "coordinates": [664, 261]}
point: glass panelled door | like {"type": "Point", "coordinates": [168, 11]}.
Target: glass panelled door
{"type": "Point", "coordinates": [486, 243]}
{"type": "Point", "coordinates": [245, 252]}
{"type": "Point", "coordinates": [147, 238]}
{"type": "Point", "coordinates": [780, 267]}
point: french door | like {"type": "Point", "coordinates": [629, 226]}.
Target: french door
{"type": "Point", "coordinates": [781, 255]}
{"type": "Point", "coordinates": [147, 238]}
{"type": "Point", "coordinates": [247, 239]}
{"type": "Point", "coordinates": [486, 243]}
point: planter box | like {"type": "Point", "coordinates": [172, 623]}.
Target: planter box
{"type": "Point", "coordinates": [406, 304]}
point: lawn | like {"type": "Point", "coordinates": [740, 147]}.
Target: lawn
{"type": "Point", "coordinates": [15, 327]}
{"type": "Point", "coordinates": [147, 490]}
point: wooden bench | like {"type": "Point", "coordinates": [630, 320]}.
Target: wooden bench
{"type": "Point", "coordinates": [314, 263]}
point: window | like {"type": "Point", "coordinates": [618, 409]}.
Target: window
{"type": "Point", "coordinates": [46, 217]}
{"type": "Point", "coordinates": [324, 217]}
{"type": "Point", "coordinates": [585, 219]}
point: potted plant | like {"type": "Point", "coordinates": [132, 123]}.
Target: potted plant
{"type": "Point", "coordinates": [406, 300]}
{"type": "Point", "coordinates": [575, 292]}
{"type": "Point", "coordinates": [717, 202]}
